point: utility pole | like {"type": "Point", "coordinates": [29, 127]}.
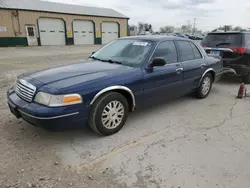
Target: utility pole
{"type": "Point", "coordinates": [189, 27]}
{"type": "Point", "coordinates": [194, 25]}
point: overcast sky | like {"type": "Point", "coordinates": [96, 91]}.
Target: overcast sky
{"type": "Point", "coordinates": [209, 13]}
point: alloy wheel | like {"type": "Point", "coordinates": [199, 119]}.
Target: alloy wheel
{"type": "Point", "coordinates": [112, 114]}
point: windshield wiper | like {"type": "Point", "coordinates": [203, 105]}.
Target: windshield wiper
{"type": "Point", "coordinates": [112, 61]}
{"type": "Point", "coordinates": [95, 58]}
{"type": "Point", "coordinates": [109, 60]}
{"type": "Point", "coordinates": [223, 43]}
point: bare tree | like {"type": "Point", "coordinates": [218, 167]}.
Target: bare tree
{"type": "Point", "coordinates": [186, 28]}
{"type": "Point", "coordinates": [225, 28]}
{"type": "Point", "coordinates": [145, 27]}
{"type": "Point", "coordinates": [237, 28]}
{"type": "Point", "coordinates": [167, 29]}
{"type": "Point", "coordinates": [140, 27]}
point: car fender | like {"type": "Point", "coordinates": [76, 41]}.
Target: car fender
{"type": "Point", "coordinates": [113, 88]}
{"type": "Point", "coordinates": [208, 70]}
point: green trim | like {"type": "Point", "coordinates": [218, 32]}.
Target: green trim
{"type": "Point", "coordinates": [98, 40]}
{"type": "Point", "coordinates": [70, 41]}
{"type": "Point", "coordinates": [38, 41]}
{"type": "Point", "coordinates": [13, 41]}
{"type": "Point", "coordinates": [119, 30]}
{"type": "Point", "coordinates": [128, 29]}
{"type": "Point", "coordinates": [64, 13]}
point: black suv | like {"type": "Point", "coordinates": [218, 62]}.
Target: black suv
{"type": "Point", "coordinates": [233, 47]}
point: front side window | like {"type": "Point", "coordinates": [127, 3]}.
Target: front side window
{"type": "Point", "coordinates": [167, 51]}
{"type": "Point", "coordinates": [186, 50]}
{"type": "Point", "coordinates": [126, 51]}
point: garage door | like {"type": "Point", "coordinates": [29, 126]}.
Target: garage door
{"type": "Point", "coordinates": [83, 32]}
{"type": "Point", "coordinates": [52, 31]}
{"type": "Point", "coordinates": [109, 31]}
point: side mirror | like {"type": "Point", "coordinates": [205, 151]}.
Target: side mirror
{"type": "Point", "coordinates": [92, 53]}
{"type": "Point", "coordinates": [158, 62]}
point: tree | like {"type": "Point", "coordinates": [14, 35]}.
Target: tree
{"type": "Point", "coordinates": [228, 28]}
{"type": "Point", "coordinates": [225, 28]}
{"type": "Point", "coordinates": [140, 27]}
{"type": "Point", "coordinates": [145, 27]}
{"type": "Point", "coordinates": [186, 28]}
{"type": "Point", "coordinates": [167, 29]}
{"type": "Point", "coordinates": [237, 28]}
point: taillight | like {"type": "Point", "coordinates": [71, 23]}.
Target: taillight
{"type": "Point", "coordinates": [203, 45]}
{"type": "Point", "coordinates": [239, 50]}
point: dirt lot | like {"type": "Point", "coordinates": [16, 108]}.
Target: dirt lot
{"type": "Point", "coordinates": [185, 143]}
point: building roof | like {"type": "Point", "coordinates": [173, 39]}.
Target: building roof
{"type": "Point", "coordinates": [46, 6]}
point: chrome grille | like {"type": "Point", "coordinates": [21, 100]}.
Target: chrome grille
{"type": "Point", "coordinates": [25, 90]}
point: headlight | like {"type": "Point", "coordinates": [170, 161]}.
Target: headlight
{"type": "Point", "coordinates": [57, 100]}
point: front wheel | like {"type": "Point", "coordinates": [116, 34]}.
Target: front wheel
{"type": "Point", "coordinates": [205, 86]}
{"type": "Point", "coordinates": [109, 113]}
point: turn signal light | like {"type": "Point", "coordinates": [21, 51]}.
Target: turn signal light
{"type": "Point", "coordinates": [71, 99]}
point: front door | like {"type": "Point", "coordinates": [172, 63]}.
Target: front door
{"type": "Point", "coordinates": [163, 82]}
{"type": "Point", "coordinates": [31, 35]}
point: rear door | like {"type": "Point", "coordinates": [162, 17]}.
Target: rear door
{"type": "Point", "coordinates": [193, 63]}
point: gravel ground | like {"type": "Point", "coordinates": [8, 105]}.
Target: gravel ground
{"type": "Point", "coordinates": [182, 143]}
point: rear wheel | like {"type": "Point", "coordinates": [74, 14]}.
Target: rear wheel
{"type": "Point", "coordinates": [205, 86]}
{"type": "Point", "coordinates": [246, 78]}
{"type": "Point", "coordinates": [109, 113]}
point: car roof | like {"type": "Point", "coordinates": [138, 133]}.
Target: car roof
{"type": "Point", "coordinates": [229, 32]}
{"type": "Point", "coordinates": [156, 38]}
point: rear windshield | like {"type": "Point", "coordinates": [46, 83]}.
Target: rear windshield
{"type": "Point", "coordinates": [222, 39]}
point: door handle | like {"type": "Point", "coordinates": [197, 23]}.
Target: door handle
{"type": "Point", "coordinates": [179, 70]}
{"type": "Point", "coordinates": [203, 65]}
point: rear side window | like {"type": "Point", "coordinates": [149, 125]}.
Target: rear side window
{"type": "Point", "coordinates": [197, 53]}
{"type": "Point", "coordinates": [247, 40]}
{"type": "Point", "coordinates": [222, 40]}
{"type": "Point", "coordinates": [167, 51]}
{"type": "Point", "coordinates": [186, 50]}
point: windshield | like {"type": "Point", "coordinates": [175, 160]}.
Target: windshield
{"type": "Point", "coordinates": [222, 39]}
{"type": "Point", "coordinates": [126, 52]}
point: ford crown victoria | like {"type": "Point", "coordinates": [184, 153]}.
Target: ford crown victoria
{"type": "Point", "coordinates": [114, 81]}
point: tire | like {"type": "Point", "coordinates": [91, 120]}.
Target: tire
{"type": "Point", "coordinates": [246, 78]}
{"type": "Point", "coordinates": [106, 122]}
{"type": "Point", "coordinates": [201, 92]}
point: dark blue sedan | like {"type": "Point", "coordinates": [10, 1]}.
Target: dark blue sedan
{"type": "Point", "coordinates": [115, 80]}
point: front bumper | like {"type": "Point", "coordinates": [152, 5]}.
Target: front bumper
{"type": "Point", "coordinates": [58, 118]}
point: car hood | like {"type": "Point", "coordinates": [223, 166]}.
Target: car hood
{"type": "Point", "coordinates": [89, 69]}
